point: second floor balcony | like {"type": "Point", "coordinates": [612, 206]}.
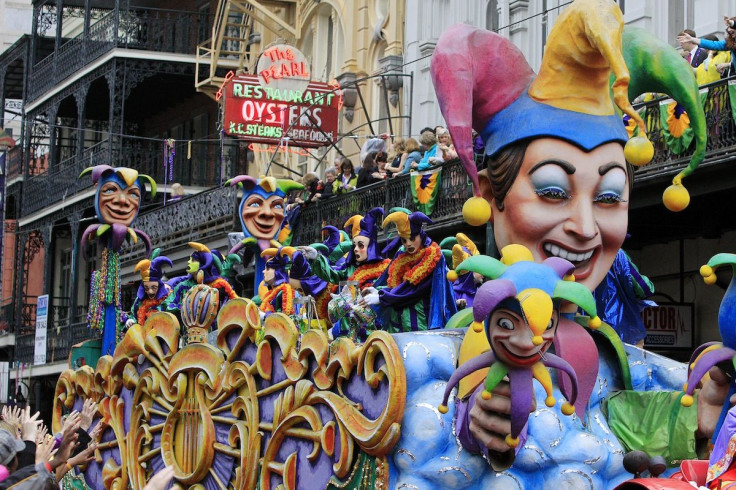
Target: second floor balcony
{"type": "Point", "coordinates": [201, 171]}
{"type": "Point", "coordinates": [137, 28]}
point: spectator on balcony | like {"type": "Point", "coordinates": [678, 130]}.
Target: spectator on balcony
{"type": "Point", "coordinates": [374, 169]}
{"type": "Point", "coordinates": [445, 149]}
{"type": "Point", "coordinates": [693, 54]}
{"type": "Point", "coordinates": [429, 141]}
{"type": "Point", "coordinates": [327, 185]}
{"type": "Point", "coordinates": [347, 181]}
{"type": "Point", "coordinates": [413, 156]}
{"type": "Point", "coordinates": [397, 157]}
{"type": "Point", "coordinates": [728, 44]}
{"type": "Point", "coordinates": [715, 65]}
{"type": "Point", "coordinates": [423, 149]}
{"type": "Point", "coordinates": [177, 192]}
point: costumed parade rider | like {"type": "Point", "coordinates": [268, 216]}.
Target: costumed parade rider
{"type": "Point", "coordinates": [213, 265]}
{"type": "Point", "coordinates": [413, 293]}
{"type": "Point", "coordinates": [364, 263]}
{"type": "Point", "coordinates": [152, 291]}
{"type": "Point", "coordinates": [276, 293]}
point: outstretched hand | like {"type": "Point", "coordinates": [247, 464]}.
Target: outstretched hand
{"type": "Point", "coordinates": [88, 412]}
{"type": "Point", "coordinates": [161, 479]}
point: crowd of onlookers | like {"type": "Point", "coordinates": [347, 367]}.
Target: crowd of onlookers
{"type": "Point", "coordinates": [32, 458]}
{"type": "Point", "coordinates": [381, 158]}
{"type": "Point", "coordinates": [710, 58]}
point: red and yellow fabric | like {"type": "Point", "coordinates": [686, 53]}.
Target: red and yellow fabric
{"type": "Point", "coordinates": [425, 188]}
{"type": "Point", "coordinates": [287, 299]}
{"type": "Point", "coordinates": [414, 268]}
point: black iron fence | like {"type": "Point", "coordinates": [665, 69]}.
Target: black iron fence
{"type": "Point", "coordinates": [454, 189]}
{"type": "Point", "coordinates": [165, 31]}
{"type": "Point", "coordinates": [201, 170]}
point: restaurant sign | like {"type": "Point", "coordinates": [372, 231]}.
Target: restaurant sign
{"type": "Point", "coordinates": [264, 114]}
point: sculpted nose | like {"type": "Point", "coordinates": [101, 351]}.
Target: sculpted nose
{"type": "Point", "coordinates": [582, 223]}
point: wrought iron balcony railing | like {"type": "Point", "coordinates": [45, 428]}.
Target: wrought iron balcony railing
{"type": "Point", "coordinates": [163, 31]}
{"type": "Point", "coordinates": [61, 181]}
{"type": "Point", "coordinates": [59, 340]}
{"type": "Point", "coordinates": [454, 190]}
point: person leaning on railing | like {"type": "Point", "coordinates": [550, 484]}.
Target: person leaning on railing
{"type": "Point", "coordinates": [715, 66]}
{"type": "Point", "coordinates": [347, 180]}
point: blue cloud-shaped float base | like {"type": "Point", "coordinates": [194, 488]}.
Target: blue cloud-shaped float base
{"type": "Point", "coordinates": [559, 453]}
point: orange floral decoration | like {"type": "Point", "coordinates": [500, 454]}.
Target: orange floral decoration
{"type": "Point", "coordinates": [146, 308]}
{"type": "Point", "coordinates": [415, 267]}
{"type": "Point", "coordinates": [677, 119]}
{"type": "Point", "coordinates": [367, 273]}
{"type": "Point", "coordinates": [287, 299]}
{"type": "Point", "coordinates": [221, 283]}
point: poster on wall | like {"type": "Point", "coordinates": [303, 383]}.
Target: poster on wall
{"type": "Point", "coordinates": [42, 315]}
{"type": "Point", "coordinates": [669, 326]}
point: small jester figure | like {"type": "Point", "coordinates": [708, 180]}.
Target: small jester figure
{"type": "Point", "coordinates": [464, 284]}
{"type": "Point", "coordinates": [364, 263]}
{"type": "Point", "coordinates": [276, 292]}
{"type": "Point", "coordinates": [152, 291]}
{"type": "Point", "coordinates": [519, 310]}
{"type": "Point", "coordinates": [413, 293]}
{"type": "Point", "coordinates": [262, 210]}
{"type": "Point", "coordinates": [118, 197]}
{"type": "Point", "coordinates": [213, 265]}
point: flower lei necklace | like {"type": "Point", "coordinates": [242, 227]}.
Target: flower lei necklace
{"type": "Point", "coordinates": [365, 274]}
{"type": "Point", "coordinates": [287, 299]}
{"type": "Point", "coordinates": [415, 267]}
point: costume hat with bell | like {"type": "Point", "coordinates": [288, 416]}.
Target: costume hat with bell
{"type": "Point", "coordinates": [278, 259]}
{"type": "Point", "coordinates": [151, 270]}
{"type": "Point", "coordinates": [409, 226]}
{"type": "Point", "coordinates": [484, 83]}
{"type": "Point", "coordinates": [456, 249]}
{"type": "Point", "coordinates": [366, 226]}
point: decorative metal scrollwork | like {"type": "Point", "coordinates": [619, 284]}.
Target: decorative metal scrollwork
{"type": "Point", "coordinates": [264, 407]}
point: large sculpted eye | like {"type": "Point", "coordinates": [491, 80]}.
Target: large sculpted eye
{"type": "Point", "coordinates": [505, 323]}
{"type": "Point", "coordinates": [254, 205]}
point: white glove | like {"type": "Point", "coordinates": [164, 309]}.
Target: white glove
{"type": "Point", "coordinates": [370, 297]}
{"type": "Point", "coordinates": [309, 253]}
{"type": "Point", "coordinates": [129, 323]}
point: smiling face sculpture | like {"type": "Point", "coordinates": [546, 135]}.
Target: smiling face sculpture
{"type": "Point", "coordinates": [263, 206]}
{"type": "Point", "coordinates": [118, 195]}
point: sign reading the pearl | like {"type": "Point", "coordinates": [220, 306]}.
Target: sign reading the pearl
{"type": "Point", "coordinates": [264, 114]}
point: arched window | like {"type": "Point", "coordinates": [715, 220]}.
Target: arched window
{"type": "Point", "coordinates": [492, 15]}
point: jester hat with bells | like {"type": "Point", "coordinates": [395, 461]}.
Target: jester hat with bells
{"type": "Point", "coordinates": [151, 269]}
{"type": "Point", "coordinates": [124, 177]}
{"type": "Point", "coordinates": [335, 246]}
{"type": "Point", "coordinates": [534, 290]}
{"type": "Point", "coordinates": [456, 249]}
{"type": "Point", "coordinates": [266, 187]}
{"type": "Point", "coordinates": [409, 225]}
{"type": "Point", "coordinates": [366, 226]}
{"type": "Point", "coordinates": [279, 260]}
{"type": "Point", "coordinates": [483, 82]}
{"type": "Point", "coordinates": [715, 353]}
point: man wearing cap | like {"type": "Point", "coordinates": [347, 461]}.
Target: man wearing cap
{"type": "Point", "coordinates": [413, 293]}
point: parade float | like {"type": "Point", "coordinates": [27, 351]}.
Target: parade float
{"type": "Point", "coordinates": [235, 394]}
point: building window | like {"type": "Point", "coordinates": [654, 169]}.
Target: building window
{"type": "Point", "coordinates": [492, 15]}
{"type": "Point", "coordinates": [203, 28]}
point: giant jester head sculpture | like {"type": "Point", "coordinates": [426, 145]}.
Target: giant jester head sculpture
{"type": "Point", "coordinates": [262, 208]}
{"type": "Point", "coordinates": [118, 195]}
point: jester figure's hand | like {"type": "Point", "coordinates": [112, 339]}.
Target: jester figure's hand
{"type": "Point", "coordinates": [489, 419]}
{"type": "Point", "coordinates": [369, 297]}
{"type": "Point", "coordinates": [309, 253]}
